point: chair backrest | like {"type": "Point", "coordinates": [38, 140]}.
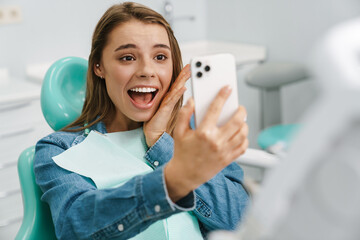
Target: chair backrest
{"type": "Point", "coordinates": [37, 223]}
{"type": "Point", "coordinates": [62, 98]}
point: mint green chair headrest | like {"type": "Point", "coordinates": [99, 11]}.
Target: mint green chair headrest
{"type": "Point", "coordinates": [63, 91]}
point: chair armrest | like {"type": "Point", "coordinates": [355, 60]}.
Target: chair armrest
{"type": "Point", "coordinates": [223, 235]}
{"type": "Point", "coordinates": [258, 158]}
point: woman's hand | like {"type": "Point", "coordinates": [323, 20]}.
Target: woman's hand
{"type": "Point", "coordinates": [157, 125]}
{"type": "Point", "coordinates": [200, 154]}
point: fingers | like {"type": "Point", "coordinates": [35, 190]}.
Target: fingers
{"type": "Point", "coordinates": [184, 118]}
{"type": "Point", "coordinates": [182, 78]}
{"type": "Point", "coordinates": [211, 117]}
{"type": "Point", "coordinates": [171, 99]}
{"type": "Point", "coordinates": [234, 138]}
{"type": "Point", "coordinates": [239, 136]}
{"type": "Point", "coordinates": [234, 124]}
{"type": "Point", "coordinates": [177, 89]}
{"type": "Point", "coordinates": [239, 150]}
{"type": "Point", "coordinates": [237, 144]}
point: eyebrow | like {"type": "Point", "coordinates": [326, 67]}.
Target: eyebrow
{"type": "Point", "coordinates": [130, 45]}
{"type": "Point", "coordinates": [162, 46]}
{"type": "Point", "coordinates": [125, 46]}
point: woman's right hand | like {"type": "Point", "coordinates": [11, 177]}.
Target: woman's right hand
{"type": "Point", "coordinates": [202, 153]}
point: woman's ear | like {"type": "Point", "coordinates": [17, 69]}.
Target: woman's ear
{"type": "Point", "coordinates": [98, 71]}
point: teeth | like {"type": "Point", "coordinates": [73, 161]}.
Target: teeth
{"type": "Point", "coordinates": [144, 89]}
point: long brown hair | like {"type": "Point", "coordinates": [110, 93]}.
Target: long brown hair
{"type": "Point", "coordinates": [98, 104]}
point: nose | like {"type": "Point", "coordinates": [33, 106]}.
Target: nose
{"type": "Point", "coordinates": [146, 69]}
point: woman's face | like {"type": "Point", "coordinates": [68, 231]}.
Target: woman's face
{"type": "Point", "coordinates": [136, 65]}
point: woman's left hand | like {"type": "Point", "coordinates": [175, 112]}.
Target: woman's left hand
{"type": "Point", "coordinates": [158, 124]}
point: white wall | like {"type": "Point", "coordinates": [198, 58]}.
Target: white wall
{"type": "Point", "coordinates": [54, 29]}
{"type": "Point", "coordinates": [288, 28]}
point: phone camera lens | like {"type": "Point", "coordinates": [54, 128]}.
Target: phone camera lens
{"type": "Point", "coordinates": [199, 74]}
{"type": "Point", "coordinates": [198, 64]}
{"type": "Point", "coordinates": [207, 68]}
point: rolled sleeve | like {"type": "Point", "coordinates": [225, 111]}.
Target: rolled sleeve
{"type": "Point", "coordinates": [162, 151]}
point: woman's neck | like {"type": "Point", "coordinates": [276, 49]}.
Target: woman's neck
{"type": "Point", "coordinates": [119, 124]}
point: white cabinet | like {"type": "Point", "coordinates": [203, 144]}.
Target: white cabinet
{"type": "Point", "coordinates": [21, 125]}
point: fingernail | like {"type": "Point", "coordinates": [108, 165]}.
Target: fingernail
{"type": "Point", "coordinates": [186, 70]}
{"type": "Point", "coordinates": [189, 101]}
{"type": "Point", "coordinates": [228, 89]}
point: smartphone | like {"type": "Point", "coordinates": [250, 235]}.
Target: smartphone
{"type": "Point", "coordinates": [208, 75]}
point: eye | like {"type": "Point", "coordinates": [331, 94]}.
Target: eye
{"type": "Point", "coordinates": [127, 58]}
{"type": "Point", "coordinates": [161, 57]}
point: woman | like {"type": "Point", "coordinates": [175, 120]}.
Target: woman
{"type": "Point", "coordinates": [135, 82]}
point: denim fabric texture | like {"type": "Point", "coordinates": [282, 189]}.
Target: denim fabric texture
{"type": "Point", "coordinates": [81, 211]}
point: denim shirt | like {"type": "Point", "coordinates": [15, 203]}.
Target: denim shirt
{"type": "Point", "coordinates": [81, 211]}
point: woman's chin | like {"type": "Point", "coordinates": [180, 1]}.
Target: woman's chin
{"type": "Point", "coordinates": [143, 117]}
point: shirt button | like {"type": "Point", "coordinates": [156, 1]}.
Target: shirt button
{"type": "Point", "coordinates": [121, 227]}
{"type": "Point", "coordinates": [156, 163]}
{"type": "Point", "coordinates": [157, 208]}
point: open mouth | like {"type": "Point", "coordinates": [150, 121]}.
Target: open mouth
{"type": "Point", "coordinates": [143, 95]}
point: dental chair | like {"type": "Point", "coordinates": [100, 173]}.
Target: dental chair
{"type": "Point", "coordinates": [62, 97]}
{"type": "Point", "coordinates": [315, 193]}
{"type": "Point", "coordinates": [269, 78]}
